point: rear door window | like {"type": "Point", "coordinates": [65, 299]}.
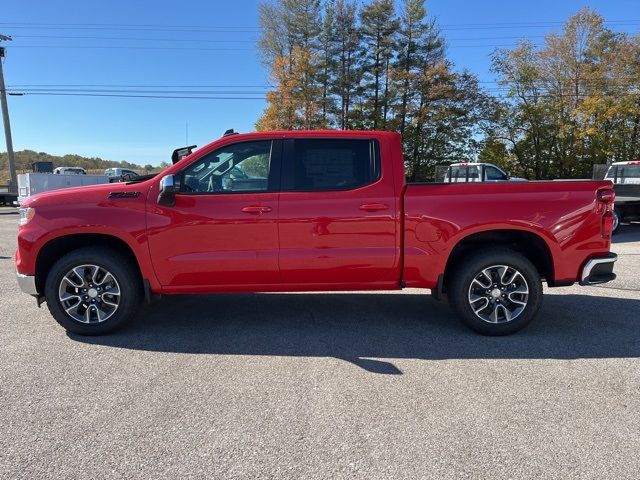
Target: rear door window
{"type": "Point", "coordinates": [459, 173]}
{"type": "Point", "coordinates": [330, 164]}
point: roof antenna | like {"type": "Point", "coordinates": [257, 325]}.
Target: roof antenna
{"type": "Point", "coordinates": [228, 132]}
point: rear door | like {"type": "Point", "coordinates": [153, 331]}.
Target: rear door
{"type": "Point", "coordinates": [337, 220]}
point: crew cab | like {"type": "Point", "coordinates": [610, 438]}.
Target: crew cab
{"type": "Point", "coordinates": [310, 211]}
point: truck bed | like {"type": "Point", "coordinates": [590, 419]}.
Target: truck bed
{"type": "Point", "coordinates": [439, 215]}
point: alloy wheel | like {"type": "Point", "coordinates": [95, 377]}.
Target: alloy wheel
{"type": "Point", "coordinates": [498, 294]}
{"type": "Point", "coordinates": [89, 294]}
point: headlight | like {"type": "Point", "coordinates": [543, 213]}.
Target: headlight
{"type": "Point", "coordinates": [26, 214]}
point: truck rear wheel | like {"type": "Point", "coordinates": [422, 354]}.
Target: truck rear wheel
{"type": "Point", "coordinates": [495, 292]}
{"type": "Point", "coordinates": [93, 291]}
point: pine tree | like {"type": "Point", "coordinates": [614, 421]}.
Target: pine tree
{"type": "Point", "coordinates": [345, 44]}
{"type": "Point", "coordinates": [327, 62]}
{"type": "Point", "coordinates": [289, 45]}
{"type": "Point", "coordinates": [378, 27]}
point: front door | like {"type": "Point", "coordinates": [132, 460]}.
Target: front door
{"type": "Point", "coordinates": [223, 228]}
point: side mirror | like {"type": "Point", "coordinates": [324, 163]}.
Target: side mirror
{"type": "Point", "coordinates": [508, 176]}
{"type": "Point", "coordinates": [167, 195]}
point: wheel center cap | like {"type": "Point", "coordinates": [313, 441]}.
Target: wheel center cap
{"type": "Point", "coordinates": [495, 293]}
{"type": "Point", "coordinates": [93, 293]}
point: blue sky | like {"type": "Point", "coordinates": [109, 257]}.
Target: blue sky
{"type": "Point", "coordinates": [218, 53]}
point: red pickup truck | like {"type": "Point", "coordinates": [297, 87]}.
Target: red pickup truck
{"type": "Point", "coordinates": [310, 211]}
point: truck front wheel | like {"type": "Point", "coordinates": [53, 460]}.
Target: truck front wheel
{"type": "Point", "coordinates": [93, 291]}
{"type": "Point", "coordinates": [495, 292]}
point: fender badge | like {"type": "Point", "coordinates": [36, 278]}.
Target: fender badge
{"type": "Point", "coordinates": [124, 194]}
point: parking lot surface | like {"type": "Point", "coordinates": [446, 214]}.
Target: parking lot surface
{"type": "Point", "coordinates": [349, 385]}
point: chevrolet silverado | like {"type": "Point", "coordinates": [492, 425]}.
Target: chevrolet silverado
{"type": "Point", "coordinates": [310, 211]}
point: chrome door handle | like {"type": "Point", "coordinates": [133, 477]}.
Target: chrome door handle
{"type": "Point", "coordinates": [256, 209]}
{"type": "Point", "coordinates": [373, 207]}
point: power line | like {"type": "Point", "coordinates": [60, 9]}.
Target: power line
{"type": "Point", "coordinates": [256, 30]}
{"type": "Point", "coordinates": [141, 39]}
{"type": "Point", "coordinates": [132, 85]}
{"type": "Point", "coordinates": [189, 90]}
{"type": "Point", "coordinates": [132, 96]}
{"type": "Point", "coordinates": [205, 40]}
{"type": "Point", "coordinates": [259, 96]}
{"type": "Point", "coordinates": [183, 29]}
{"type": "Point", "coordinates": [542, 23]}
{"type": "Point", "coordinates": [621, 82]}
{"type": "Point", "coordinates": [86, 90]}
{"type": "Point", "coordinates": [148, 25]}
{"type": "Point", "coordinates": [135, 47]}
{"type": "Point", "coordinates": [247, 29]}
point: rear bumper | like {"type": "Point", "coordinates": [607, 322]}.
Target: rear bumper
{"type": "Point", "coordinates": [598, 270]}
{"type": "Point", "coordinates": [27, 284]}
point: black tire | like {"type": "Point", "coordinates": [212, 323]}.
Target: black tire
{"type": "Point", "coordinates": [460, 295]}
{"type": "Point", "coordinates": [617, 219]}
{"type": "Point", "coordinates": [119, 266]}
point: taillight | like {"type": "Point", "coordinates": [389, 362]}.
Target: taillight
{"type": "Point", "coordinates": [605, 197]}
{"type": "Point", "coordinates": [607, 225]}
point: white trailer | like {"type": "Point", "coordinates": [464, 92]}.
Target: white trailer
{"type": "Point", "coordinates": [32, 183]}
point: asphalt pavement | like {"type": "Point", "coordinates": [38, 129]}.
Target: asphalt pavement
{"type": "Point", "coordinates": [350, 385]}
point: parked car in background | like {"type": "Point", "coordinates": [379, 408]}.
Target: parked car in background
{"type": "Point", "coordinates": [70, 171]}
{"type": "Point", "coordinates": [478, 172]}
{"type": "Point", "coordinates": [626, 183]}
{"type": "Point", "coordinates": [123, 174]}
{"type": "Point", "coordinates": [310, 211]}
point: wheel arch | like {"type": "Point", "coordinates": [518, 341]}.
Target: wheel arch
{"type": "Point", "coordinates": [525, 242]}
{"type": "Point", "coordinates": [57, 247]}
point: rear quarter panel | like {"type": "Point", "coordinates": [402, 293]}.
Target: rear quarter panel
{"type": "Point", "coordinates": [564, 215]}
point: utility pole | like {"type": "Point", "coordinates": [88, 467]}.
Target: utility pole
{"type": "Point", "coordinates": [5, 118]}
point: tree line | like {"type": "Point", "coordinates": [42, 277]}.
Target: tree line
{"type": "Point", "coordinates": [559, 108]}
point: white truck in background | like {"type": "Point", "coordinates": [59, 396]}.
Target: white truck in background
{"type": "Point", "coordinates": [625, 177]}
{"type": "Point", "coordinates": [32, 183]}
{"type": "Point", "coordinates": [478, 172]}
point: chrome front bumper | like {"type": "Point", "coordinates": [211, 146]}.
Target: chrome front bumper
{"type": "Point", "coordinates": [599, 270]}
{"type": "Point", "coordinates": [27, 284]}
